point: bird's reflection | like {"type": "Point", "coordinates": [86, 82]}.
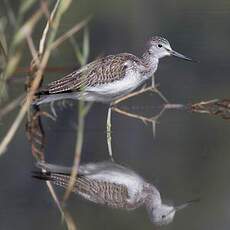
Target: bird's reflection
{"type": "Point", "coordinates": [113, 185]}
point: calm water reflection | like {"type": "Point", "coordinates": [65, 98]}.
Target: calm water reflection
{"type": "Point", "coordinates": [188, 158]}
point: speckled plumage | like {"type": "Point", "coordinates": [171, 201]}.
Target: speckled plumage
{"type": "Point", "coordinates": [99, 80]}
{"type": "Point", "coordinates": [108, 78]}
{"type": "Point", "coordinates": [101, 192]}
{"type": "Point", "coordinates": [113, 185]}
{"type": "Point", "coordinates": [102, 71]}
{"type": "Point", "coordinates": [104, 183]}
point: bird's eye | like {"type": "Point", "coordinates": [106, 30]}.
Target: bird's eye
{"type": "Point", "coordinates": [163, 216]}
{"type": "Point", "coordinates": [159, 45]}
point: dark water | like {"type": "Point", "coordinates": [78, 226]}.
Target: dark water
{"type": "Point", "coordinates": [188, 158]}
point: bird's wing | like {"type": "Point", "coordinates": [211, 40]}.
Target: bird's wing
{"type": "Point", "coordinates": [98, 72]}
{"type": "Point", "coordinates": [103, 192]}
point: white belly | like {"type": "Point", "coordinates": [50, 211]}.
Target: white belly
{"type": "Point", "coordinates": [101, 93]}
{"type": "Point", "coordinates": [118, 87]}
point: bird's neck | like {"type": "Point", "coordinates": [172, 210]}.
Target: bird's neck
{"type": "Point", "coordinates": [153, 198]}
{"type": "Point", "coordinates": [151, 62]}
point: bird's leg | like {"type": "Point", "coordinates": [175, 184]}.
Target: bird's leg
{"type": "Point", "coordinates": [153, 81]}
{"type": "Point", "coordinates": [153, 122]}
{"type": "Point", "coordinates": [109, 133]}
{"type": "Point", "coordinates": [157, 91]}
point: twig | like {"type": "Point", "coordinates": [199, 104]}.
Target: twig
{"type": "Point", "coordinates": [77, 155]}
{"type": "Point", "coordinates": [44, 53]}
{"type": "Point", "coordinates": [141, 91]}
{"type": "Point", "coordinates": [55, 198]}
{"type": "Point", "coordinates": [41, 59]}
{"type": "Point", "coordinates": [109, 133]}
{"type": "Point", "coordinates": [70, 33]}
{"type": "Point", "coordinates": [11, 106]}
{"type": "Point", "coordinates": [14, 127]}
{"type": "Point", "coordinates": [82, 111]}
{"type": "Point", "coordinates": [133, 115]}
{"type": "Point", "coordinates": [69, 220]}
{"type": "Point", "coordinates": [47, 28]}
{"type": "Point", "coordinates": [32, 49]}
{"type": "Point", "coordinates": [148, 119]}
{"type": "Point", "coordinates": [215, 107]}
{"type": "Point", "coordinates": [109, 122]}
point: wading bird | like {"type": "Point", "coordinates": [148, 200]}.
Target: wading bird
{"type": "Point", "coordinates": [109, 78]}
{"type": "Point", "coordinates": [113, 185]}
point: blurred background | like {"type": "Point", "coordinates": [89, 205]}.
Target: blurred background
{"type": "Point", "coordinates": [189, 156]}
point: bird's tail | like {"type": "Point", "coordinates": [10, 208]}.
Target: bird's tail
{"type": "Point", "coordinates": [42, 175]}
{"type": "Point", "coordinates": [56, 178]}
{"type": "Point", "coordinates": [46, 98]}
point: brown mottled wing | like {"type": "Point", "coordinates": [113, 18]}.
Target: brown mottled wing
{"type": "Point", "coordinates": [111, 194]}
{"type": "Point", "coordinates": [101, 71]}
{"type": "Point", "coordinates": [101, 192]}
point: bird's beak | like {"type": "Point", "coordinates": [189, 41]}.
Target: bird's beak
{"type": "Point", "coordinates": [178, 55]}
{"type": "Point", "coordinates": [186, 204]}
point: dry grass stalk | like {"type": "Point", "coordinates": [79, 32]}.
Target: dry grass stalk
{"type": "Point", "coordinates": [144, 119]}
{"type": "Point", "coordinates": [39, 63]}
{"type": "Point", "coordinates": [11, 106]}
{"type": "Point", "coordinates": [215, 107]}
{"type": "Point", "coordinates": [82, 111]}
{"type": "Point", "coordinates": [36, 129]}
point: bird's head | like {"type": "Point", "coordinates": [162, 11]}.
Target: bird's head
{"type": "Point", "coordinates": [160, 47]}
{"type": "Point", "coordinates": [164, 214]}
